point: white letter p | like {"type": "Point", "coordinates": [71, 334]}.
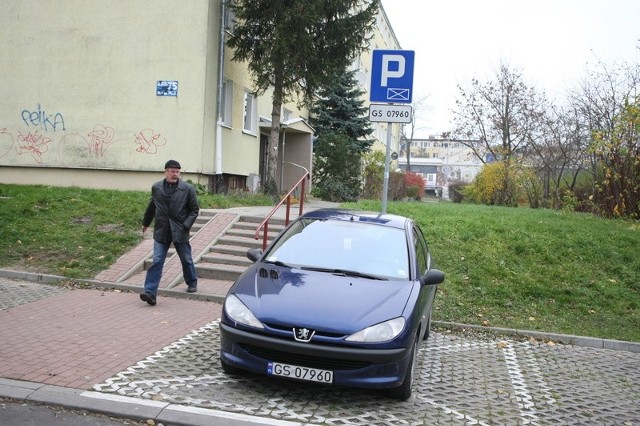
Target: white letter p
{"type": "Point", "coordinates": [386, 72]}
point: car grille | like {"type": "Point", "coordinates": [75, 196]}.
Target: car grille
{"type": "Point", "coordinates": [305, 360]}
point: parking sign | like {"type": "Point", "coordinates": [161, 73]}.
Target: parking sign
{"type": "Point", "coordinates": [392, 76]}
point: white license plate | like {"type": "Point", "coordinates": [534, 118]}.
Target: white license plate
{"type": "Point", "coordinates": [300, 373]}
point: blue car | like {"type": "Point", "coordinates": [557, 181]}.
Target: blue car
{"type": "Point", "coordinates": [340, 298]}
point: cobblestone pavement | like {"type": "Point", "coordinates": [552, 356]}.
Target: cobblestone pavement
{"type": "Point", "coordinates": [463, 378]}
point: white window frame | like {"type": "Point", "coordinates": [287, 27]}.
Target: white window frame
{"type": "Point", "coordinates": [227, 102]}
{"type": "Point", "coordinates": [286, 114]}
{"type": "Point", "coordinates": [229, 18]}
{"type": "Point", "coordinates": [250, 115]}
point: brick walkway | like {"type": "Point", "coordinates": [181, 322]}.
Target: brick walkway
{"type": "Point", "coordinates": [78, 338]}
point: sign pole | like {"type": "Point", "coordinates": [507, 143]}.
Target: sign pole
{"type": "Point", "coordinates": [385, 184]}
{"type": "Point", "coordinates": [391, 83]}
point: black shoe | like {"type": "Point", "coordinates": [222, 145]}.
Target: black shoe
{"type": "Point", "coordinates": [148, 298]}
{"type": "Point", "coordinates": [192, 288]}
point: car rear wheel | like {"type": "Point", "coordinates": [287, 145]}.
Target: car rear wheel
{"type": "Point", "coordinates": [403, 392]}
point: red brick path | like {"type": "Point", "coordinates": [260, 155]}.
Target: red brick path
{"type": "Point", "coordinates": [82, 337]}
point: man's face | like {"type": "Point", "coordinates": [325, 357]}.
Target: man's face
{"type": "Point", "coordinates": [172, 175]}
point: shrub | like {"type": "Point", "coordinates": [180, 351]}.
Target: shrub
{"type": "Point", "coordinates": [456, 191]}
{"type": "Point", "coordinates": [414, 180]}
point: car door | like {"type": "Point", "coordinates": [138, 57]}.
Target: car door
{"type": "Point", "coordinates": [423, 263]}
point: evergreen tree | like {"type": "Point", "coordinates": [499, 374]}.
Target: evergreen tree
{"type": "Point", "coordinates": [296, 47]}
{"type": "Point", "coordinates": [341, 122]}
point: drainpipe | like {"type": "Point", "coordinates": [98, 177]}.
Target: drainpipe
{"type": "Point", "coordinates": [284, 144]}
{"type": "Point", "coordinates": [218, 147]}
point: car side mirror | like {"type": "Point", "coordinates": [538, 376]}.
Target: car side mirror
{"type": "Point", "coordinates": [432, 277]}
{"type": "Point", "coordinates": [254, 254]}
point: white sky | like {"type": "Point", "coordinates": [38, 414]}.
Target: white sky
{"type": "Point", "coordinates": [550, 41]}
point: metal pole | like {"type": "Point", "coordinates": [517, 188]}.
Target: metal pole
{"type": "Point", "coordinates": [385, 185]}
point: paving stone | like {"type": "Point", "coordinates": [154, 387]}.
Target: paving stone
{"type": "Point", "coordinates": [460, 380]}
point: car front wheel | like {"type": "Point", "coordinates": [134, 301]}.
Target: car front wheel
{"type": "Point", "coordinates": [403, 392]}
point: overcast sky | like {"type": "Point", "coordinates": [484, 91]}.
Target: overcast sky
{"type": "Point", "coordinates": [550, 41]}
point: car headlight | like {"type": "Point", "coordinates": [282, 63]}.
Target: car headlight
{"type": "Point", "coordinates": [238, 312]}
{"type": "Point", "coordinates": [380, 332]}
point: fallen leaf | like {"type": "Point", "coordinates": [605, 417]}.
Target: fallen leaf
{"type": "Point", "coordinates": [502, 345]}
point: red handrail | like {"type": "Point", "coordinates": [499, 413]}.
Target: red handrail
{"type": "Point", "coordinates": [287, 198]}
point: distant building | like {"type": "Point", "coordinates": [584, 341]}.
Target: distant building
{"type": "Point", "coordinates": [440, 161]}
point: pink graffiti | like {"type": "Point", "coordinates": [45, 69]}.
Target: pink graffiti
{"type": "Point", "coordinates": [149, 141]}
{"type": "Point", "coordinates": [34, 144]}
{"type": "Point", "coordinates": [100, 139]}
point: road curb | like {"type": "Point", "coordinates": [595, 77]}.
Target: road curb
{"type": "Point", "coordinates": [128, 407]}
{"type": "Point", "coordinates": [582, 341]}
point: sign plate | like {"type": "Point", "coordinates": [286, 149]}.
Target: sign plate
{"type": "Point", "coordinates": [392, 76]}
{"type": "Point", "coordinates": [388, 113]}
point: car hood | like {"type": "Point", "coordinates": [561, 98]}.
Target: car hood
{"type": "Point", "coordinates": [320, 300]}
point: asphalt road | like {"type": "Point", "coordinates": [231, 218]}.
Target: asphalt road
{"type": "Point", "coordinates": [24, 413]}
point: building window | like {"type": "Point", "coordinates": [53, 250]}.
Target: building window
{"type": "Point", "coordinates": [229, 18]}
{"type": "Point", "coordinates": [286, 114]}
{"type": "Point", "coordinates": [249, 119]}
{"type": "Point", "coordinates": [227, 102]}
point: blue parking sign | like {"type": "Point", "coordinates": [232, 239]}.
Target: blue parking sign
{"type": "Point", "coordinates": [392, 76]}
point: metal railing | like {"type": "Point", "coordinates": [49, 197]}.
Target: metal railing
{"type": "Point", "coordinates": [264, 225]}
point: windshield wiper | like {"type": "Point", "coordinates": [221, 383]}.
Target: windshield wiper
{"type": "Point", "coordinates": [278, 263]}
{"type": "Point", "coordinates": [344, 272]}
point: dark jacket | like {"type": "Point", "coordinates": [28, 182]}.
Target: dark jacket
{"type": "Point", "coordinates": [172, 220]}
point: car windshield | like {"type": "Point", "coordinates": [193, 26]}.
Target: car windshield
{"type": "Point", "coordinates": [353, 246]}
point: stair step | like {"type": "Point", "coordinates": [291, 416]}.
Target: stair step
{"type": "Point", "coordinates": [247, 242]}
{"type": "Point", "coordinates": [219, 272]}
{"type": "Point", "coordinates": [225, 259]}
{"type": "Point", "coordinates": [257, 220]}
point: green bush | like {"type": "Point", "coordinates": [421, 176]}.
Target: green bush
{"type": "Point", "coordinates": [456, 191]}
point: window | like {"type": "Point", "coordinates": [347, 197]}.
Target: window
{"type": "Point", "coordinates": [422, 252]}
{"type": "Point", "coordinates": [229, 18]}
{"type": "Point", "coordinates": [227, 102]}
{"type": "Point", "coordinates": [249, 119]}
{"type": "Point", "coordinates": [286, 115]}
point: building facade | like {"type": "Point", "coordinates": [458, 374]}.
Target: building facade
{"type": "Point", "coordinates": [440, 161]}
{"type": "Point", "coordinates": [100, 94]}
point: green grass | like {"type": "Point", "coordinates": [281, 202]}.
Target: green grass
{"type": "Point", "coordinates": [505, 267]}
{"type": "Point", "coordinates": [76, 232]}
{"type": "Point", "coordinates": [532, 269]}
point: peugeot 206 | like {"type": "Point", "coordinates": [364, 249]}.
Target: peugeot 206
{"type": "Point", "coordinates": [338, 298]}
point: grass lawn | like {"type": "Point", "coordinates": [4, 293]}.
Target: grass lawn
{"type": "Point", "coordinates": [505, 267]}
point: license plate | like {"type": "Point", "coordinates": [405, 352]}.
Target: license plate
{"type": "Point", "coordinates": [300, 373]}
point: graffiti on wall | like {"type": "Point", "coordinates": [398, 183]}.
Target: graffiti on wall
{"type": "Point", "coordinates": [40, 118]}
{"type": "Point", "coordinates": [148, 141]}
{"type": "Point", "coordinates": [47, 142]}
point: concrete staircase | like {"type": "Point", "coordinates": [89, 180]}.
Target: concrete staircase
{"type": "Point", "coordinates": [227, 258]}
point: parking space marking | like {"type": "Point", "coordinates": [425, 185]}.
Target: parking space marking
{"type": "Point", "coordinates": [460, 379]}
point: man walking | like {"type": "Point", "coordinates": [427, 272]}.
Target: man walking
{"type": "Point", "coordinates": [174, 206]}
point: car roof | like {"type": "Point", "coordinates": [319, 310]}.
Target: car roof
{"type": "Point", "coordinates": [391, 220]}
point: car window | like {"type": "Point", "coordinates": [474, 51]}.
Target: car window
{"type": "Point", "coordinates": [422, 252]}
{"type": "Point", "coordinates": [338, 244]}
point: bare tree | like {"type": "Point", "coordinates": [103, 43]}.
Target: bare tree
{"type": "Point", "coordinates": [408, 130]}
{"type": "Point", "coordinates": [499, 119]}
{"type": "Point", "coordinates": [556, 154]}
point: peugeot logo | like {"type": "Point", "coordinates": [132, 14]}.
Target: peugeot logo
{"type": "Point", "coordinates": [302, 334]}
